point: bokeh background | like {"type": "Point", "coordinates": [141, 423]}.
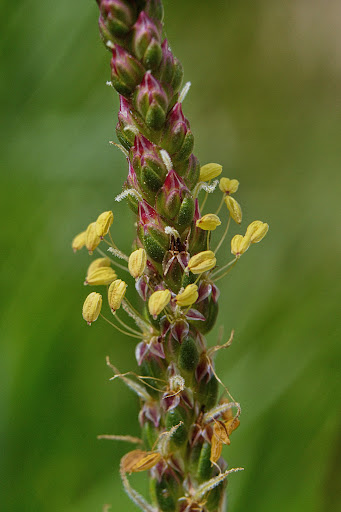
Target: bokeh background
{"type": "Point", "coordinates": [265, 102]}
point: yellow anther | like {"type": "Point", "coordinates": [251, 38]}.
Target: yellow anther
{"type": "Point", "coordinates": [92, 240]}
{"type": "Point", "coordinates": [158, 301]}
{"type": "Point", "coordinates": [210, 171]}
{"type": "Point", "coordinates": [98, 263]}
{"type": "Point", "coordinates": [188, 297]}
{"type": "Point", "coordinates": [101, 275]}
{"type": "Point", "coordinates": [139, 460]}
{"type": "Point", "coordinates": [208, 222]}
{"type": "Point", "coordinates": [137, 262]}
{"type": "Point", "coordinates": [228, 186]}
{"type": "Point", "coordinates": [92, 307]}
{"type": "Point", "coordinates": [239, 245]}
{"type": "Point", "coordinates": [116, 294]}
{"type": "Point", "coordinates": [79, 241]}
{"type": "Point", "coordinates": [256, 231]}
{"type": "Point", "coordinates": [234, 209]}
{"type": "Point", "coordinates": [103, 223]}
{"type": "Point", "coordinates": [202, 262]}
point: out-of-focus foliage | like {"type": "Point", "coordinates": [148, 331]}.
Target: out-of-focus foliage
{"type": "Point", "coordinates": [265, 103]}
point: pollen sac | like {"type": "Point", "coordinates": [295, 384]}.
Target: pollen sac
{"type": "Point", "coordinates": [98, 263]}
{"type": "Point", "coordinates": [256, 231]}
{"type": "Point", "coordinates": [202, 262]}
{"type": "Point", "coordinates": [117, 17]}
{"type": "Point", "coordinates": [210, 171]}
{"type": "Point", "coordinates": [158, 301]}
{"type": "Point", "coordinates": [138, 460]}
{"type": "Point", "coordinates": [208, 222]}
{"type": "Point", "coordinates": [170, 71]}
{"type": "Point", "coordinates": [103, 223]}
{"type": "Point", "coordinates": [79, 241]}
{"type": "Point", "coordinates": [175, 202]}
{"type": "Point", "coordinates": [92, 307]}
{"type": "Point", "coordinates": [137, 263]}
{"type": "Point", "coordinates": [178, 139]}
{"type": "Point", "coordinates": [147, 41]}
{"type": "Point", "coordinates": [92, 240]}
{"type": "Point", "coordinates": [149, 168]}
{"type": "Point", "coordinates": [116, 294]}
{"type": "Point", "coordinates": [228, 186]}
{"type": "Point", "coordinates": [151, 102]}
{"type": "Point", "coordinates": [126, 71]}
{"type": "Point", "coordinates": [101, 276]}
{"type": "Point", "coordinates": [234, 209]}
{"type": "Point", "coordinates": [188, 297]}
{"type": "Point", "coordinates": [239, 245]}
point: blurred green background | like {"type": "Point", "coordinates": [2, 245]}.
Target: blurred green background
{"type": "Point", "coordinates": [265, 102]}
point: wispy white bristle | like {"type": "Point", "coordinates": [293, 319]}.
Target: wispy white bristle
{"type": "Point", "coordinates": [118, 253]}
{"type": "Point", "coordinates": [120, 147]}
{"type": "Point", "coordinates": [126, 193]}
{"type": "Point", "coordinates": [166, 159]}
{"type": "Point", "coordinates": [109, 44]}
{"type": "Point", "coordinates": [210, 484]}
{"type": "Point", "coordinates": [184, 92]}
{"type": "Point", "coordinates": [109, 83]}
{"type": "Point", "coordinates": [208, 188]}
{"type": "Point", "coordinates": [131, 128]}
{"type": "Point", "coordinates": [220, 409]}
{"type": "Point", "coordinates": [172, 231]}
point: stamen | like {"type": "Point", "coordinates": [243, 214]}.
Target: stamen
{"type": "Point", "coordinates": [128, 439]}
{"type": "Point", "coordinates": [134, 386]}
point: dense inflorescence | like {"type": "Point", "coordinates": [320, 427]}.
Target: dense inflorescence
{"type": "Point", "coordinates": [184, 424]}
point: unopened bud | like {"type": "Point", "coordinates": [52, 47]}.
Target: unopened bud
{"type": "Point", "coordinates": [234, 209]}
{"type": "Point", "coordinates": [98, 263]}
{"type": "Point", "coordinates": [158, 301]}
{"type": "Point", "coordinates": [208, 222]}
{"type": "Point", "coordinates": [92, 307]}
{"type": "Point", "coordinates": [137, 263]}
{"type": "Point", "coordinates": [147, 41]}
{"type": "Point", "coordinates": [116, 294]}
{"type": "Point", "coordinates": [79, 241]}
{"type": "Point", "coordinates": [228, 186]}
{"type": "Point", "coordinates": [256, 231]}
{"type": "Point", "coordinates": [92, 240]}
{"type": "Point", "coordinates": [126, 71]}
{"type": "Point", "coordinates": [103, 223]}
{"type": "Point", "coordinates": [101, 275]}
{"type": "Point", "coordinates": [188, 297]}
{"type": "Point", "coordinates": [202, 262]}
{"type": "Point", "coordinates": [239, 245]}
{"type": "Point", "coordinates": [210, 171]}
{"type": "Point", "coordinates": [151, 102]}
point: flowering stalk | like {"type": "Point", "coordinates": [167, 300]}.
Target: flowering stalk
{"type": "Point", "coordinates": [184, 424]}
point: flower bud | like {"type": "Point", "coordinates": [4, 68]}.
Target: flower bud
{"type": "Point", "coordinates": [92, 307]}
{"type": "Point", "coordinates": [149, 167]}
{"type": "Point", "coordinates": [158, 301]}
{"type": "Point", "coordinates": [234, 209]}
{"type": "Point", "coordinates": [92, 240]}
{"type": "Point", "coordinates": [210, 171]}
{"type": "Point", "coordinates": [239, 245]}
{"type": "Point", "coordinates": [154, 9]}
{"type": "Point", "coordinates": [202, 262]}
{"type": "Point", "coordinates": [188, 355]}
{"type": "Point", "coordinates": [256, 231]}
{"type": "Point", "coordinates": [101, 275]}
{"type": "Point", "coordinates": [174, 200]}
{"type": "Point", "coordinates": [126, 71]}
{"type": "Point", "coordinates": [147, 41]}
{"type": "Point", "coordinates": [79, 241]}
{"type": "Point", "coordinates": [151, 232]}
{"type": "Point", "coordinates": [208, 222]}
{"type": "Point", "coordinates": [137, 263]}
{"type": "Point", "coordinates": [178, 139]}
{"type": "Point", "coordinates": [103, 223]}
{"type": "Point", "coordinates": [170, 71]}
{"type": "Point", "coordinates": [188, 297]}
{"type": "Point", "coordinates": [116, 294]}
{"type": "Point", "coordinates": [189, 170]}
{"type": "Point", "coordinates": [228, 186]}
{"type": "Point", "coordinates": [126, 126]}
{"type": "Point", "coordinates": [98, 263]}
{"type": "Point", "coordinates": [151, 102]}
{"type": "Point", "coordinates": [117, 15]}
